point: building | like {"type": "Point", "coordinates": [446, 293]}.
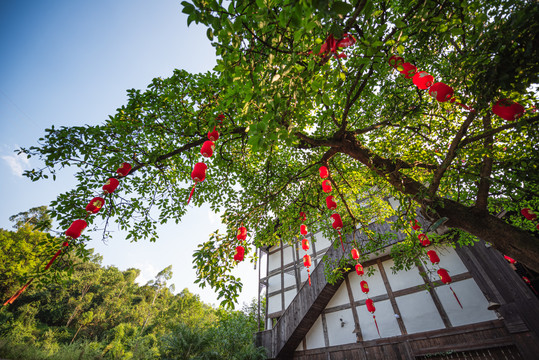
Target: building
{"type": "Point", "coordinates": [499, 318]}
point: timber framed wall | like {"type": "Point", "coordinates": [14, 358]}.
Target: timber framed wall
{"type": "Point", "coordinates": [346, 331]}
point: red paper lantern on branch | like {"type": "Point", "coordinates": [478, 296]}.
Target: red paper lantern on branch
{"type": "Point", "coordinates": [408, 70]}
{"type": "Point", "coordinates": [110, 186]}
{"type": "Point", "coordinates": [326, 186]}
{"type": "Point", "coordinates": [307, 263]}
{"type": "Point", "coordinates": [207, 148]}
{"type": "Point", "coordinates": [240, 253]}
{"type": "Point", "coordinates": [330, 202]}
{"type": "Point", "coordinates": [302, 216]}
{"type": "Point", "coordinates": [359, 269]}
{"type": "Point", "coordinates": [433, 257]}
{"type": "Point", "coordinates": [303, 229]}
{"type": "Point", "coordinates": [324, 173]}
{"type": "Point", "coordinates": [213, 135]}
{"type": "Point", "coordinates": [198, 175]}
{"type": "Point", "coordinates": [441, 92]}
{"type": "Point", "coordinates": [76, 228]}
{"type": "Point", "coordinates": [423, 80]}
{"type": "Point", "coordinates": [424, 240]}
{"type": "Point", "coordinates": [511, 260]}
{"type": "Point", "coordinates": [355, 254]}
{"type": "Point", "coordinates": [95, 205]}
{"type": "Point", "coordinates": [124, 169]}
{"type": "Point", "coordinates": [242, 233]}
{"type": "Point", "coordinates": [372, 309]}
{"type": "Point", "coordinates": [415, 225]}
{"type": "Point", "coordinates": [346, 41]}
{"type": "Point", "coordinates": [305, 244]}
{"type": "Point", "coordinates": [337, 225]}
{"type": "Point", "coordinates": [444, 276]}
{"type": "Point", "coordinates": [508, 109]}
{"type": "Point", "coordinates": [364, 287]}
{"type": "Point", "coordinates": [528, 214]}
{"type": "Point", "coordinates": [395, 61]}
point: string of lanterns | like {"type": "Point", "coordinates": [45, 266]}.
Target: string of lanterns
{"type": "Point", "coordinates": [198, 174]}
{"type": "Point", "coordinates": [530, 215]}
{"type": "Point", "coordinates": [307, 261]}
{"type": "Point", "coordinates": [77, 227]}
{"type": "Point", "coordinates": [330, 202]}
{"type": "Point", "coordinates": [365, 287]}
{"type": "Point", "coordinates": [435, 259]}
{"type": "Point", "coordinates": [506, 109]}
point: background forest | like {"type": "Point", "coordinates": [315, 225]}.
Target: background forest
{"type": "Point", "coordinates": [101, 313]}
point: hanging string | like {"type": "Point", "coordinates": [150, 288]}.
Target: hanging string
{"type": "Point", "coordinates": [191, 193]}
{"type": "Point", "coordinates": [340, 237]}
{"type": "Point", "coordinates": [456, 297]}
{"type": "Point", "coordinates": [376, 323]}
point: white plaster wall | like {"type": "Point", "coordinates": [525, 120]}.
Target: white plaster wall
{"type": "Point", "coordinates": [419, 312]}
{"type": "Point", "coordinates": [288, 257]}
{"type": "Point", "coordinates": [474, 304]}
{"type": "Point", "coordinates": [274, 261]}
{"type": "Point", "coordinates": [375, 282]}
{"type": "Point", "coordinates": [274, 283]}
{"type": "Point", "coordinates": [340, 332]}
{"type": "Point", "coordinates": [449, 260]}
{"type": "Point", "coordinates": [340, 297]}
{"type": "Point", "coordinates": [322, 243]}
{"type": "Point", "coordinates": [289, 278]}
{"type": "Point", "coordinates": [274, 304]}
{"type": "Point", "coordinates": [300, 346]}
{"type": "Point", "coordinates": [402, 279]}
{"type": "Point", "coordinates": [387, 323]}
{"type": "Point", "coordinates": [288, 297]}
{"type": "Point", "coordinates": [274, 247]}
{"type": "Point", "coordinates": [315, 337]}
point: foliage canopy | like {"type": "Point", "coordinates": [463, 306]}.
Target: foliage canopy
{"type": "Point", "coordinates": [288, 111]}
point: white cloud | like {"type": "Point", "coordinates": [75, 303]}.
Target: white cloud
{"type": "Point", "coordinates": [16, 163]}
{"type": "Point", "coordinates": [147, 273]}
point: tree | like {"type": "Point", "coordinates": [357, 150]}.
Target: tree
{"type": "Point", "coordinates": [291, 105]}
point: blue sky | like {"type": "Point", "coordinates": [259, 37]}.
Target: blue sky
{"type": "Point", "coordinates": [67, 63]}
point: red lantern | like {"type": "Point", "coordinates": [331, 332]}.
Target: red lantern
{"type": "Point", "coordinates": [359, 269]}
{"type": "Point", "coordinates": [370, 306]}
{"type": "Point", "coordinates": [507, 109]}
{"type": "Point", "coordinates": [441, 92]}
{"type": "Point", "coordinates": [326, 186]}
{"type": "Point", "coordinates": [433, 257]}
{"type": "Point", "coordinates": [95, 205]}
{"type": "Point", "coordinates": [307, 263]}
{"type": "Point", "coordinates": [444, 276]}
{"type": "Point", "coordinates": [124, 169]}
{"type": "Point", "coordinates": [511, 260]}
{"type": "Point", "coordinates": [346, 41]}
{"type": "Point", "coordinates": [395, 61]}
{"type": "Point", "coordinates": [110, 185]}
{"type": "Point", "coordinates": [408, 70]}
{"type": "Point", "coordinates": [199, 172]}
{"type": "Point", "coordinates": [415, 225]}
{"type": "Point", "coordinates": [307, 260]}
{"type": "Point", "coordinates": [324, 173]}
{"type": "Point", "coordinates": [364, 287]}
{"type": "Point", "coordinates": [220, 117]}
{"type": "Point", "coordinates": [305, 244]}
{"type": "Point", "coordinates": [302, 216]}
{"type": "Point", "coordinates": [76, 228]}
{"type": "Point", "coordinates": [242, 233]}
{"type": "Point", "coordinates": [337, 221]}
{"type": "Point", "coordinates": [213, 135]}
{"type": "Point", "coordinates": [240, 253]}
{"type": "Point", "coordinates": [424, 240]}
{"type": "Point", "coordinates": [423, 80]}
{"type": "Point", "coordinates": [528, 214]}
{"type": "Point", "coordinates": [207, 148]}
{"type": "Point", "coordinates": [303, 229]}
{"type": "Point", "coordinates": [330, 202]}
{"type": "Point", "coordinates": [355, 254]}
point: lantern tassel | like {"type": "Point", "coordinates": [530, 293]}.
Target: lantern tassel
{"type": "Point", "coordinates": [340, 237]}
{"type": "Point", "coordinates": [309, 274]}
{"type": "Point", "coordinates": [53, 258]}
{"type": "Point", "coordinates": [376, 323]}
{"type": "Point", "coordinates": [14, 297]}
{"type": "Point", "coordinates": [456, 297]}
{"type": "Point", "coordinates": [191, 193]}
